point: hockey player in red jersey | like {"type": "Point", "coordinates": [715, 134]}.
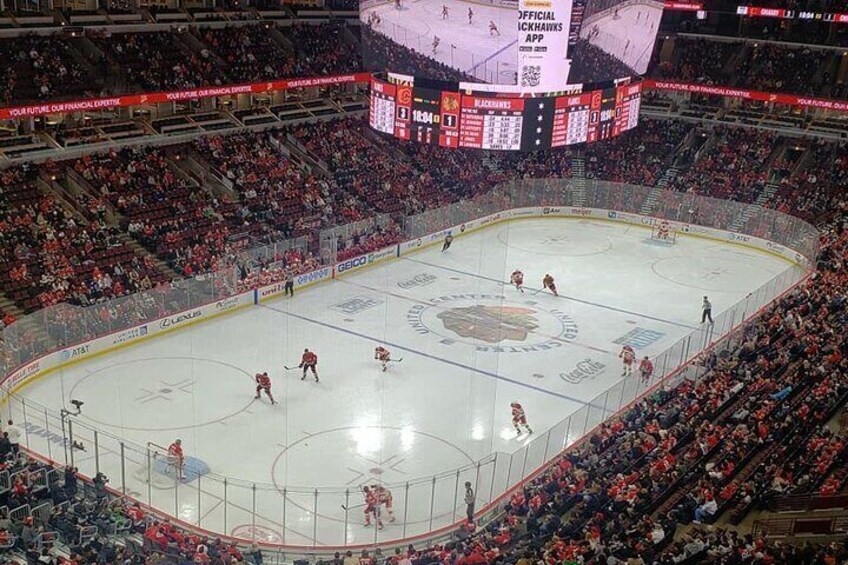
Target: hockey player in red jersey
{"type": "Point", "coordinates": [384, 498]}
{"type": "Point", "coordinates": [548, 282]}
{"type": "Point", "coordinates": [627, 356]}
{"type": "Point", "coordinates": [383, 355]}
{"type": "Point", "coordinates": [517, 279]}
{"type": "Point", "coordinates": [372, 507]}
{"type": "Point", "coordinates": [646, 369]}
{"type": "Point", "coordinates": [519, 418]}
{"type": "Point", "coordinates": [176, 458]}
{"type": "Point", "coordinates": [309, 361]}
{"type": "Point", "coordinates": [263, 384]}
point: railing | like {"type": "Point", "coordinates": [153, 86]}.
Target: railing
{"type": "Point", "coordinates": [322, 518]}
{"type": "Point", "coordinates": [809, 502]}
{"type": "Point", "coordinates": [795, 527]}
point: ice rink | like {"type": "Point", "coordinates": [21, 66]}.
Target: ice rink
{"type": "Point", "coordinates": [469, 343]}
{"type": "Point", "coordinates": [468, 47]}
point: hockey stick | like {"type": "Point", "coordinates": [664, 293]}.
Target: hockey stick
{"type": "Point", "coordinates": [352, 506]}
{"type": "Point", "coordinates": [537, 291]}
{"type": "Point", "coordinates": [395, 360]}
{"type": "Point", "coordinates": [287, 368]}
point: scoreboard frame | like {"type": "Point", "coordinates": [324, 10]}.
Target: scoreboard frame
{"type": "Point", "coordinates": [446, 114]}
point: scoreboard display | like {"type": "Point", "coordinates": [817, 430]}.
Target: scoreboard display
{"type": "Point", "coordinates": [499, 120]}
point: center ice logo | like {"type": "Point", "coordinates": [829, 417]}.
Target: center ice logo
{"type": "Point", "coordinates": [489, 323]}
{"type": "Point", "coordinates": [492, 324]}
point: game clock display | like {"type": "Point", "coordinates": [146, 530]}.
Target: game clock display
{"type": "Point", "coordinates": [500, 121]}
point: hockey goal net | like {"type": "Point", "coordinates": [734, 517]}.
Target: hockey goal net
{"type": "Point", "coordinates": [157, 468]}
{"type": "Point", "coordinates": [664, 232]}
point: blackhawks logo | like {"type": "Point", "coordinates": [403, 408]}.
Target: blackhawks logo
{"type": "Point", "coordinates": [492, 324]}
{"type": "Point", "coordinates": [488, 322]}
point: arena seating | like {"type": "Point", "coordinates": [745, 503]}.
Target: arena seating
{"type": "Point", "coordinates": [158, 61]}
{"type": "Point", "coordinates": [733, 166]}
{"type": "Point", "coordinates": [49, 67]}
{"type": "Point", "coordinates": [51, 255]}
{"type": "Point", "coordinates": [637, 157]}
{"type": "Point", "coordinates": [760, 66]}
{"type": "Point", "coordinates": [167, 214]}
{"type": "Point", "coordinates": [37, 67]}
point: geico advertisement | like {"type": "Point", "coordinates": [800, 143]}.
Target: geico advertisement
{"type": "Point", "coordinates": [362, 260]}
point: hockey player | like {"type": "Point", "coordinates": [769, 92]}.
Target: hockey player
{"type": "Point", "coordinates": [519, 418]}
{"type": "Point", "coordinates": [448, 240]}
{"type": "Point", "coordinates": [646, 369]}
{"type": "Point", "coordinates": [176, 458]}
{"type": "Point", "coordinates": [372, 507]}
{"type": "Point", "coordinates": [309, 361]}
{"type": "Point", "coordinates": [383, 356]}
{"type": "Point", "coordinates": [517, 279]}
{"type": "Point", "coordinates": [493, 28]}
{"type": "Point", "coordinates": [627, 356]}
{"type": "Point", "coordinates": [445, 13]}
{"type": "Point", "coordinates": [384, 498]}
{"type": "Point", "coordinates": [436, 42]}
{"type": "Point", "coordinates": [548, 282]}
{"type": "Point", "coordinates": [263, 383]}
{"type": "Point", "coordinates": [663, 230]}
{"type": "Point", "coordinates": [470, 16]}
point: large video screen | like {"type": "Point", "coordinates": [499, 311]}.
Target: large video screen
{"type": "Point", "coordinates": [529, 45]}
{"type": "Point", "coordinates": [455, 118]}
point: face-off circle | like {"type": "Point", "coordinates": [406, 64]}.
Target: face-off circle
{"type": "Point", "coordinates": [172, 393]}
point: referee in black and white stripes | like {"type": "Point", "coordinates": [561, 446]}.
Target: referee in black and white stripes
{"type": "Point", "coordinates": [706, 311]}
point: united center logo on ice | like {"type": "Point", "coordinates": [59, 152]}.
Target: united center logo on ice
{"type": "Point", "coordinates": [489, 323]}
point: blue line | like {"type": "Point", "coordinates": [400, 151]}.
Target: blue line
{"type": "Point", "coordinates": [434, 358]}
{"type": "Point", "coordinates": [604, 306]}
{"type": "Point", "coordinates": [492, 56]}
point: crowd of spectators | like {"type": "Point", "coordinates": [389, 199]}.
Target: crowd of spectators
{"type": "Point", "coordinates": [157, 61]}
{"type": "Point", "coordinates": [697, 60]}
{"type": "Point", "coordinates": [49, 255]}
{"type": "Point", "coordinates": [777, 68]}
{"type": "Point", "coordinates": [168, 214]}
{"type": "Point", "coordinates": [814, 192]}
{"type": "Point", "coordinates": [638, 156]}
{"type": "Point", "coordinates": [732, 165]}
{"type": "Point", "coordinates": [46, 67]}
{"type": "Point", "coordinates": [770, 67]}
{"type": "Point", "coordinates": [36, 67]}
{"type": "Point", "coordinates": [275, 188]}
{"type": "Point", "coordinates": [323, 50]}
{"type": "Point", "coordinates": [253, 53]}
{"type": "Point", "coordinates": [250, 53]}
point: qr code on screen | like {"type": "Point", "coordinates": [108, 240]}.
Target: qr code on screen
{"type": "Point", "coordinates": [531, 75]}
